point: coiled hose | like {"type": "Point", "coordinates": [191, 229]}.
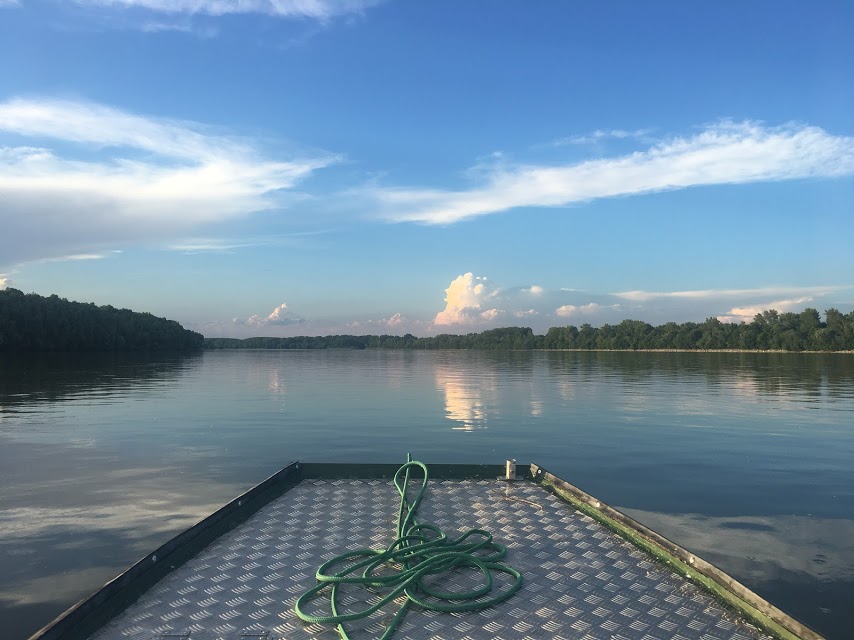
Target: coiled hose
{"type": "Point", "coordinates": [418, 551]}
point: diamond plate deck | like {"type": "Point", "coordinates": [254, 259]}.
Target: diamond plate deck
{"type": "Point", "coordinates": [580, 580]}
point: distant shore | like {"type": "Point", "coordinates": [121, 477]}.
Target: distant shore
{"type": "Point", "coordinates": [770, 332]}
{"type": "Point", "coordinates": [369, 348]}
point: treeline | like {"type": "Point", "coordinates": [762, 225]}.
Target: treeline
{"type": "Point", "coordinates": [30, 322]}
{"type": "Point", "coordinates": [495, 339]}
{"type": "Point", "coordinates": [769, 330]}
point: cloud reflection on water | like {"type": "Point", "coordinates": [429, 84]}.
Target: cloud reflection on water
{"type": "Point", "coordinates": [103, 460]}
{"type": "Point", "coordinates": [822, 548]}
{"type": "Point", "coordinates": [469, 399]}
{"type": "Point", "coordinates": [804, 565]}
{"type": "Point", "coordinates": [84, 533]}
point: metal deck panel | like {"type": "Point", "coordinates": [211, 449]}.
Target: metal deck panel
{"type": "Point", "coordinates": [580, 580]}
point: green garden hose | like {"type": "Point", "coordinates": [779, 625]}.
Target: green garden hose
{"type": "Point", "coordinates": [418, 551]}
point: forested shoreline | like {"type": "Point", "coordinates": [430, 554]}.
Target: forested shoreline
{"type": "Point", "coordinates": [30, 322]}
{"type": "Point", "coordinates": [769, 331]}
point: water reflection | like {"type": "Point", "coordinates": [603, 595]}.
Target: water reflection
{"type": "Point", "coordinates": [469, 395]}
{"type": "Point", "coordinates": [35, 378]}
{"type": "Point", "coordinates": [72, 520]}
{"type": "Point", "coordinates": [805, 376]}
{"type": "Point", "coordinates": [490, 386]}
{"type": "Point", "coordinates": [103, 457]}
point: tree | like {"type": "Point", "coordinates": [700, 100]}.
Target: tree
{"type": "Point", "coordinates": [35, 323]}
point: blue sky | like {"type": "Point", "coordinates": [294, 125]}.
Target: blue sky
{"type": "Point", "coordinates": [285, 167]}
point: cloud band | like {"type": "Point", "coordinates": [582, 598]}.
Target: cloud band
{"type": "Point", "coordinates": [726, 153]}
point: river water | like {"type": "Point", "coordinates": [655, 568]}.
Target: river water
{"type": "Point", "coordinates": [746, 459]}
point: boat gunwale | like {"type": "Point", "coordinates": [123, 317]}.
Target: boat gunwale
{"type": "Point", "coordinates": [725, 589]}
{"type": "Point", "coordinates": [91, 613]}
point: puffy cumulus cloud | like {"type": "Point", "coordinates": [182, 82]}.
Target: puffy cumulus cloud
{"type": "Point", "coordinates": [723, 153]}
{"type": "Point", "coordinates": [476, 303]}
{"type": "Point", "coordinates": [396, 324]}
{"type": "Point", "coordinates": [526, 313]}
{"type": "Point", "coordinates": [278, 317]}
{"type": "Point", "coordinates": [89, 175]}
{"type": "Point", "coordinates": [317, 9]}
{"type": "Point", "coordinates": [571, 310]}
{"type": "Point", "coordinates": [489, 314]}
{"type": "Point", "coordinates": [465, 299]}
{"type": "Point", "coordinates": [4, 282]}
{"type": "Point", "coordinates": [394, 321]}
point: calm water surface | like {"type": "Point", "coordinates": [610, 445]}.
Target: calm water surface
{"type": "Point", "coordinates": [747, 459]}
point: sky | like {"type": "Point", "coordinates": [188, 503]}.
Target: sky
{"type": "Point", "coordinates": [311, 167]}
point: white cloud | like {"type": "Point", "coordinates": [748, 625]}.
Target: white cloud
{"type": "Point", "coordinates": [489, 314]}
{"type": "Point", "coordinates": [115, 177]}
{"type": "Point", "coordinates": [600, 135]}
{"type": "Point", "coordinates": [278, 317]}
{"type": "Point", "coordinates": [707, 294]}
{"type": "Point", "coordinates": [534, 290]}
{"type": "Point", "coordinates": [465, 298]}
{"type": "Point", "coordinates": [77, 257]}
{"type": "Point", "coordinates": [724, 153]}
{"type": "Point", "coordinates": [571, 310]}
{"type": "Point", "coordinates": [747, 313]}
{"type": "Point", "coordinates": [730, 305]}
{"type": "Point", "coordinates": [206, 31]}
{"type": "Point", "coordinates": [526, 314]}
{"type": "Point", "coordinates": [394, 321]}
{"type": "Point", "coordinates": [4, 282]}
{"type": "Point", "coordinates": [317, 9]}
{"type": "Point", "coordinates": [211, 245]}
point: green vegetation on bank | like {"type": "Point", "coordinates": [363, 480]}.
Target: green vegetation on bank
{"type": "Point", "coordinates": [30, 322]}
{"type": "Point", "coordinates": [769, 330]}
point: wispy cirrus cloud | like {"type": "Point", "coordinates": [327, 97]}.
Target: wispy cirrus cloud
{"type": "Point", "coordinates": [77, 175]}
{"type": "Point", "coordinates": [316, 9]}
{"type": "Point", "coordinates": [212, 245]}
{"type": "Point", "coordinates": [601, 135]}
{"type": "Point", "coordinates": [178, 26]}
{"type": "Point", "coordinates": [710, 294]}
{"type": "Point", "coordinates": [724, 153]}
{"type": "Point", "coordinates": [79, 257]}
{"type": "Point", "coordinates": [197, 245]}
